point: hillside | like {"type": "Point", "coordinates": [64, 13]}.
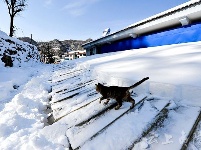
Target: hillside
{"type": "Point", "coordinates": [66, 45]}
{"type": "Point", "coordinates": [57, 106]}
{"type": "Point", "coordinates": [14, 52]}
{"type": "Point", "coordinates": [28, 40]}
{"type": "Point", "coordinates": [59, 47]}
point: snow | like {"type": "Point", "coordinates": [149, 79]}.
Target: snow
{"type": "Point", "coordinates": [3, 33]}
{"type": "Point", "coordinates": [135, 125]}
{"type": "Point", "coordinates": [23, 113]}
{"type": "Point", "coordinates": [168, 11]}
{"type": "Point", "coordinates": [25, 91]}
{"type": "Point", "coordinates": [176, 129]}
{"type": "Point", "coordinates": [22, 53]}
{"type": "Point", "coordinates": [13, 77]}
{"type": "Point", "coordinates": [77, 137]}
{"type": "Point", "coordinates": [155, 62]}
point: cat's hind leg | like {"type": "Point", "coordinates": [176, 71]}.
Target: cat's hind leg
{"type": "Point", "coordinates": [131, 100]}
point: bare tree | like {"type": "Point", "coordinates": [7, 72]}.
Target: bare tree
{"type": "Point", "coordinates": [14, 7]}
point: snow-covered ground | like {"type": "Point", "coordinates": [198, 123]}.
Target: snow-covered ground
{"type": "Point", "coordinates": [172, 93]}
{"type": "Point", "coordinates": [21, 53]}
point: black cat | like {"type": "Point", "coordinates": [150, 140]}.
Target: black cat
{"type": "Point", "coordinates": [117, 93]}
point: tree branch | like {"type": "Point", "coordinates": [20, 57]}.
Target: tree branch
{"type": "Point", "coordinates": [14, 7]}
{"type": "Point", "coordinates": [16, 11]}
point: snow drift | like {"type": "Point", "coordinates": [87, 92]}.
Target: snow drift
{"type": "Point", "coordinates": [14, 52]}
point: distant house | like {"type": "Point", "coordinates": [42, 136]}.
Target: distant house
{"type": "Point", "coordinates": [75, 54]}
{"type": "Point", "coordinates": [180, 24]}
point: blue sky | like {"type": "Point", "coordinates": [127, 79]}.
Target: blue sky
{"type": "Point", "coordinates": [80, 19]}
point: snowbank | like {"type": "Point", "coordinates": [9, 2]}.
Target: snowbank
{"type": "Point", "coordinates": [23, 105]}
{"type": "Point", "coordinates": [16, 52]}
{"type": "Point", "coordinates": [177, 64]}
{"type": "Point", "coordinates": [174, 70]}
{"type": "Point", "coordinates": [3, 33]}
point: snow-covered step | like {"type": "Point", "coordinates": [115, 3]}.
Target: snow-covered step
{"type": "Point", "coordinates": [174, 130]}
{"type": "Point", "coordinates": [66, 73]}
{"type": "Point", "coordinates": [70, 81]}
{"type": "Point", "coordinates": [75, 86]}
{"type": "Point", "coordinates": [61, 68]}
{"type": "Point", "coordinates": [157, 121]}
{"type": "Point", "coordinates": [66, 76]}
{"type": "Point", "coordinates": [66, 83]}
{"type": "Point", "coordinates": [193, 140]}
{"type": "Point", "coordinates": [72, 94]}
{"type": "Point", "coordinates": [79, 134]}
{"type": "Point", "coordinates": [60, 80]}
{"type": "Point", "coordinates": [63, 108]}
{"type": "Point", "coordinates": [57, 72]}
{"type": "Point", "coordinates": [127, 129]}
{"type": "Point", "coordinates": [75, 98]}
{"type": "Point", "coordinates": [86, 113]}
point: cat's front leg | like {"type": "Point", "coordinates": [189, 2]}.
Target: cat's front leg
{"type": "Point", "coordinates": [105, 103]}
{"type": "Point", "coordinates": [119, 101]}
{"type": "Point", "coordinates": [102, 98]}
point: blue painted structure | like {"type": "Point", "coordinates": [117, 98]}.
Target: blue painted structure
{"type": "Point", "coordinates": [189, 33]}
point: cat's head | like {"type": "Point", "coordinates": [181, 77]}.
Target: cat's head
{"type": "Point", "coordinates": [98, 87]}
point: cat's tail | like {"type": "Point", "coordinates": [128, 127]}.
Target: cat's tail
{"type": "Point", "coordinates": [138, 83]}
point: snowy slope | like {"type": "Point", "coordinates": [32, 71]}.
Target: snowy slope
{"type": "Point", "coordinates": [174, 64]}
{"type": "Point", "coordinates": [3, 33]}
{"type": "Point", "coordinates": [22, 53]}
{"type": "Point", "coordinates": [167, 105]}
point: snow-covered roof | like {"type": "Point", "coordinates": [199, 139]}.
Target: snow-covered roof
{"type": "Point", "coordinates": [78, 51]}
{"type": "Point", "coordinates": [168, 18]}
{"type": "Point", "coordinates": [168, 12]}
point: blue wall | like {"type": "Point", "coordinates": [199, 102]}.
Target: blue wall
{"type": "Point", "coordinates": [190, 33]}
